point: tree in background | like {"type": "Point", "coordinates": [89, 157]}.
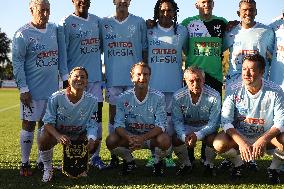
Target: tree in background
{"type": "Point", "coordinates": [5, 62]}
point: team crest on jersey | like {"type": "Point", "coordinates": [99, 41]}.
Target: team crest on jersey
{"type": "Point", "coordinates": [150, 32]}
{"type": "Point", "coordinates": [218, 30]}
{"type": "Point", "coordinates": [131, 30]}
{"type": "Point", "coordinates": [73, 25]}
{"type": "Point", "coordinates": [126, 104]}
{"type": "Point", "coordinates": [204, 108]}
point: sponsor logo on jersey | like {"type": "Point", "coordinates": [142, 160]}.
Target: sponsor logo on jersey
{"type": "Point", "coordinates": [141, 126]}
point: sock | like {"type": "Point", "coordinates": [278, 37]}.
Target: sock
{"type": "Point", "coordinates": [46, 157]}
{"type": "Point", "coordinates": [37, 140]}
{"type": "Point", "coordinates": [210, 155]}
{"type": "Point", "coordinates": [99, 135]}
{"type": "Point", "coordinates": [124, 153]}
{"type": "Point", "coordinates": [203, 151]}
{"type": "Point", "coordinates": [191, 154]}
{"type": "Point", "coordinates": [170, 152]}
{"type": "Point", "coordinates": [182, 154]}
{"type": "Point", "coordinates": [26, 142]}
{"type": "Point", "coordinates": [232, 155]}
{"type": "Point", "coordinates": [277, 159]}
{"type": "Point", "coordinates": [110, 128]}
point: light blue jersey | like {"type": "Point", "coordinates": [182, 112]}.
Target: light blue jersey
{"type": "Point", "coordinates": [123, 43]}
{"type": "Point", "coordinates": [140, 117]}
{"type": "Point", "coordinates": [72, 119]}
{"type": "Point", "coordinates": [253, 115]}
{"type": "Point", "coordinates": [205, 114]}
{"type": "Point", "coordinates": [165, 57]}
{"type": "Point", "coordinates": [241, 42]}
{"type": "Point", "coordinates": [277, 64]}
{"type": "Point", "coordinates": [80, 38]}
{"type": "Point", "coordinates": [35, 60]}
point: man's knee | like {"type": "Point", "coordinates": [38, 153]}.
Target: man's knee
{"type": "Point", "coordinates": [46, 141]}
{"type": "Point", "coordinates": [220, 142]}
{"type": "Point", "coordinates": [209, 139]}
{"type": "Point", "coordinates": [164, 141]}
{"type": "Point", "coordinates": [28, 125]}
{"type": "Point", "coordinates": [112, 141]}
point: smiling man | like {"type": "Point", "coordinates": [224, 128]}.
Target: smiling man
{"type": "Point", "coordinates": [253, 119]}
{"type": "Point", "coordinates": [79, 37]}
{"type": "Point", "coordinates": [140, 121]}
{"type": "Point", "coordinates": [247, 38]}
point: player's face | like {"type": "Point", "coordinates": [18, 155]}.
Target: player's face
{"type": "Point", "coordinates": [251, 74]}
{"type": "Point", "coordinates": [40, 14]}
{"type": "Point", "coordinates": [78, 80]}
{"type": "Point", "coordinates": [247, 13]}
{"type": "Point", "coordinates": [166, 14]}
{"type": "Point", "coordinates": [121, 5]}
{"type": "Point", "coordinates": [141, 77]}
{"type": "Point", "coordinates": [205, 7]}
{"type": "Point", "coordinates": [81, 6]}
{"type": "Point", "coordinates": [195, 82]}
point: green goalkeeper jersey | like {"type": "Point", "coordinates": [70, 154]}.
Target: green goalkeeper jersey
{"type": "Point", "coordinates": [205, 44]}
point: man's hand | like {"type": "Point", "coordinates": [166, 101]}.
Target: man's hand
{"type": "Point", "coordinates": [258, 148]}
{"type": "Point", "coordinates": [246, 151]}
{"type": "Point", "coordinates": [150, 24]}
{"type": "Point", "coordinates": [135, 142]}
{"type": "Point", "coordinates": [190, 140]}
{"type": "Point", "coordinates": [63, 139]}
{"type": "Point", "coordinates": [26, 99]}
{"type": "Point", "coordinates": [232, 24]}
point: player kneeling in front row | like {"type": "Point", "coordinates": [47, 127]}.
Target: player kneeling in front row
{"type": "Point", "coordinates": [196, 116]}
{"type": "Point", "coordinates": [253, 120]}
{"type": "Point", "coordinates": [70, 116]}
{"type": "Point", "coordinates": [140, 121]}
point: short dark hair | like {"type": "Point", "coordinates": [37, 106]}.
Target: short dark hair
{"type": "Point", "coordinates": [142, 64]}
{"type": "Point", "coordinates": [78, 68]}
{"type": "Point", "coordinates": [247, 1]}
{"type": "Point", "coordinates": [256, 58]}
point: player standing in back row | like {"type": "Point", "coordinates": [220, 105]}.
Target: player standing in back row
{"type": "Point", "coordinates": [166, 42]}
{"type": "Point", "coordinates": [35, 66]}
{"type": "Point", "coordinates": [124, 44]}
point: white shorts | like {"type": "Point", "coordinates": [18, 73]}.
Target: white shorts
{"type": "Point", "coordinates": [169, 99]}
{"type": "Point", "coordinates": [112, 93]}
{"type": "Point", "coordinates": [35, 113]}
{"type": "Point", "coordinates": [96, 89]}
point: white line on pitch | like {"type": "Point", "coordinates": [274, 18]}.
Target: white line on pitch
{"type": "Point", "coordinates": [8, 108]}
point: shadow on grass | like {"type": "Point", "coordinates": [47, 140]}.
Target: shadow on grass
{"type": "Point", "coordinates": [9, 177]}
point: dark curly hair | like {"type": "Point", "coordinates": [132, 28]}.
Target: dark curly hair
{"type": "Point", "coordinates": [256, 58]}
{"type": "Point", "coordinates": [157, 8]}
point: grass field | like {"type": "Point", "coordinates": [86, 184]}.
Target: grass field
{"type": "Point", "coordinates": [141, 178]}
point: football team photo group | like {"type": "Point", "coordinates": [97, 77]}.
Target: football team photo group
{"type": "Point", "coordinates": [165, 87]}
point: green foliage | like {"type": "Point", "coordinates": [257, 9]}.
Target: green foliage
{"type": "Point", "coordinates": [5, 62]}
{"type": "Point", "coordinates": [140, 179]}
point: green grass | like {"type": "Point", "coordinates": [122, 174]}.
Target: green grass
{"type": "Point", "coordinates": [140, 179]}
